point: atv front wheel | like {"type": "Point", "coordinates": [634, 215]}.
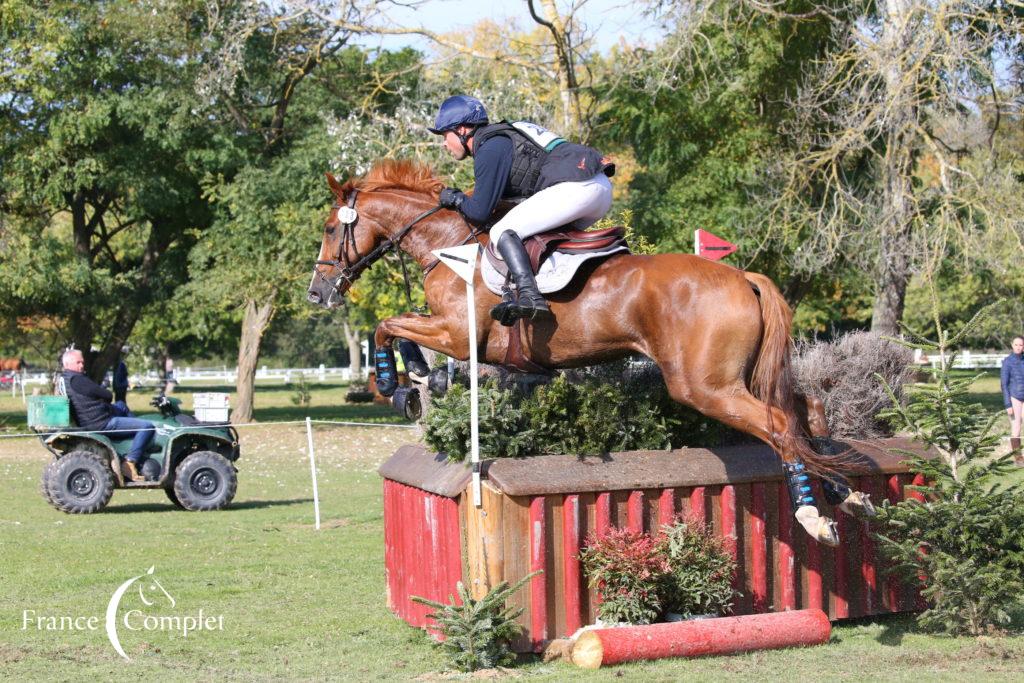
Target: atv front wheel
{"type": "Point", "coordinates": [205, 481]}
{"type": "Point", "coordinates": [173, 498]}
{"type": "Point", "coordinates": [79, 483]}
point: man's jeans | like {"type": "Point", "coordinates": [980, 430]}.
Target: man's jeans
{"type": "Point", "coordinates": [140, 439]}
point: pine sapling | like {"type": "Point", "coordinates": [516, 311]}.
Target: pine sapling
{"type": "Point", "coordinates": [964, 542]}
{"type": "Point", "coordinates": [478, 633]}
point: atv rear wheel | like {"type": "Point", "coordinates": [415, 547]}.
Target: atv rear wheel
{"type": "Point", "coordinates": [79, 483]}
{"type": "Point", "coordinates": [205, 481]}
{"type": "Point", "coordinates": [46, 478]}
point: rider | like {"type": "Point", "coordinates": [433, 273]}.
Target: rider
{"type": "Point", "coordinates": [563, 184]}
{"type": "Point", "coordinates": [92, 408]}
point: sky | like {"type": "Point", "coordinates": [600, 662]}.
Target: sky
{"type": "Point", "coordinates": [607, 19]}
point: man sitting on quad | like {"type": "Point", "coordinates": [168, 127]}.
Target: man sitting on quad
{"type": "Point", "coordinates": [92, 408]}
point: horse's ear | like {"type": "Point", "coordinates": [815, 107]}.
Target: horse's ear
{"type": "Point", "coordinates": [335, 186]}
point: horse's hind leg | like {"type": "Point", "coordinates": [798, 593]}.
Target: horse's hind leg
{"type": "Point", "coordinates": [837, 488]}
{"type": "Point", "coordinates": [738, 408]}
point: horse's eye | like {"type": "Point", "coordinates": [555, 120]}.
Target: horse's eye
{"type": "Point", "coordinates": [329, 229]}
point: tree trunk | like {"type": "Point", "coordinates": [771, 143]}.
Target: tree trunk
{"type": "Point", "coordinates": [891, 292]}
{"type": "Point", "coordinates": [568, 85]}
{"type": "Point", "coordinates": [894, 266]}
{"type": "Point", "coordinates": [254, 324]}
{"type": "Point", "coordinates": [131, 309]}
{"type": "Point", "coordinates": [355, 351]}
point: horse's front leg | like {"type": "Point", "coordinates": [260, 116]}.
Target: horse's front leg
{"type": "Point", "coordinates": [430, 331]}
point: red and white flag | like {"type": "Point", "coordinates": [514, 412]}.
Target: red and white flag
{"type": "Point", "coordinates": [711, 247]}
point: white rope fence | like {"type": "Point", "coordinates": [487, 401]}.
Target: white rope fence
{"type": "Point", "coordinates": [210, 425]}
{"type": "Point", "coordinates": [309, 422]}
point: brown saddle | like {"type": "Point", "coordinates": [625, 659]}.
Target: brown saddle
{"type": "Point", "coordinates": [540, 247]}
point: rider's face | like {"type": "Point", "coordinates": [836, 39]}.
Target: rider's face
{"type": "Point", "coordinates": [454, 145]}
{"type": "Point", "coordinates": [1018, 345]}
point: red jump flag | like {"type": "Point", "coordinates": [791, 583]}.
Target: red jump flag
{"type": "Point", "coordinates": [711, 247]}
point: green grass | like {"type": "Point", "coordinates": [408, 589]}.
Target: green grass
{"type": "Point", "coordinates": [299, 604]}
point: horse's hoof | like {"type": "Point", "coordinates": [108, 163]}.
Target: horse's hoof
{"type": "Point", "coordinates": [822, 529]}
{"type": "Point", "coordinates": [858, 504]}
{"type": "Point", "coordinates": [386, 385]}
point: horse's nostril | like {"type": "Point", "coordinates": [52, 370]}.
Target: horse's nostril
{"type": "Point", "coordinates": [313, 297]}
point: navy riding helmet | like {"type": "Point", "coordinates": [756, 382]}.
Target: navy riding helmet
{"type": "Point", "coordinates": [459, 110]}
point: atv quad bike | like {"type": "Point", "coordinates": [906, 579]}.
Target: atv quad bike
{"type": "Point", "coordinates": [192, 461]}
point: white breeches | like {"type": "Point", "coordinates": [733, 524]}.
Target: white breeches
{"type": "Point", "coordinates": [578, 205]}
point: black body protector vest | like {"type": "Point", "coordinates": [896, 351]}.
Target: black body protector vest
{"type": "Point", "coordinates": [540, 158]}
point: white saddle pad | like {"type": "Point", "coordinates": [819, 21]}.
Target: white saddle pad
{"type": "Point", "coordinates": [555, 273]}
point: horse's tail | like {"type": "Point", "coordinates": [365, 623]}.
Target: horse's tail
{"type": "Point", "coordinates": [772, 378]}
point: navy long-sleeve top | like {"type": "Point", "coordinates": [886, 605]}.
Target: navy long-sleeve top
{"type": "Point", "coordinates": [90, 403]}
{"type": "Point", "coordinates": [1011, 378]}
{"type": "Point", "coordinates": [492, 165]}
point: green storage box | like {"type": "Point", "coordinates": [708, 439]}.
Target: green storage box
{"type": "Point", "coordinates": [48, 411]}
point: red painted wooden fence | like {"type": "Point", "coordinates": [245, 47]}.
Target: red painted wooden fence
{"type": "Point", "coordinates": [538, 512]}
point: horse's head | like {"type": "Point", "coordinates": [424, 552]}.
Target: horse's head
{"type": "Point", "coordinates": [364, 225]}
{"type": "Point", "coordinates": [343, 250]}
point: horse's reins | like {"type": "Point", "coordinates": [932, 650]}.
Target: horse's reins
{"type": "Point", "coordinates": [350, 272]}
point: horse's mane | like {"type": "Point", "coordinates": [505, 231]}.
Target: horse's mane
{"type": "Point", "coordinates": [400, 174]}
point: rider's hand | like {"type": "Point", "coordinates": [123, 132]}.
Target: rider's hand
{"type": "Point", "coordinates": [451, 198]}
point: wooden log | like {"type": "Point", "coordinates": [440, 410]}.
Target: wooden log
{"type": "Point", "coordinates": [700, 638]}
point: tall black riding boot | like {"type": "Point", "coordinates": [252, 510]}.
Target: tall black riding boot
{"type": "Point", "coordinates": [530, 303]}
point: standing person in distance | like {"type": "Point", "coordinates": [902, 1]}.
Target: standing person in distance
{"type": "Point", "coordinates": [1011, 380]}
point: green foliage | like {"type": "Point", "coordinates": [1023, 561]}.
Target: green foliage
{"type": "Point", "coordinates": [478, 633]}
{"type": "Point", "coordinates": [593, 417]}
{"type": "Point", "coordinates": [701, 571]}
{"type": "Point", "coordinates": [447, 422]}
{"type": "Point", "coordinates": [629, 568]}
{"type": "Point", "coordinates": [302, 396]}
{"type": "Point", "coordinates": [599, 410]}
{"type": "Point", "coordinates": [964, 541]}
{"type": "Point", "coordinates": [102, 159]}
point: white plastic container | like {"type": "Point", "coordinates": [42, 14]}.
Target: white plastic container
{"type": "Point", "coordinates": [211, 407]}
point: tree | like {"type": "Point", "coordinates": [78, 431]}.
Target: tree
{"type": "Point", "coordinates": [278, 77]}
{"type": "Point", "coordinates": [558, 65]}
{"type": "Point", "coordinates": [98, 186]}
{"type": "Point", "coordinates": [890, 164]}
{"type": "Point", "coordinates": [894, 168]}
{"type": "Point", "coordinates": [703, 119]}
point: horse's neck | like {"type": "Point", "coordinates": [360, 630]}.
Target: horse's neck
{"type": "Point", "coordinates": [442, 229]}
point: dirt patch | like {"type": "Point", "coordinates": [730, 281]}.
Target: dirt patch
{"type": "Point", "coordinates": [10, 654]}
{"type": "Point", "coordinates": [481, 674]}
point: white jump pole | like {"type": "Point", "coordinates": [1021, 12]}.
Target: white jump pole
{"type": "Point", "coordinates": [462, 260]}
{"type": "Point", "coordinates": [312, 472]}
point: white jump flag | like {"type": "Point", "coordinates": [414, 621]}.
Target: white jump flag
{"type": "Point", "coordinates": [462, 259]}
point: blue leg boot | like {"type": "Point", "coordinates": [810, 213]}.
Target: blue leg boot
{"type": "Point", "coordinates": [821, 529]}
{"type": "Point", "coordinates": [387, 370]}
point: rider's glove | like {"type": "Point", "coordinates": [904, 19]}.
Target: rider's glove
{"type": "Point", "coordinates": [451, 198]}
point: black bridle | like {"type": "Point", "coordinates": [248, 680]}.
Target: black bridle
{"type": "Point", "coordinates": [350, 272]}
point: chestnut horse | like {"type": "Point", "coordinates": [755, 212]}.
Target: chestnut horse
{"type": "Point", "coordinates": [720, 335]}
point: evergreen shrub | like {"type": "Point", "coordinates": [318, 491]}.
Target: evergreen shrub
{"type": "Point", "coordinates": [964, 543]}
{"type": "Point", "coordinates": [615, 407]}
{"type": "Point", "coordinates": [478, 634]}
